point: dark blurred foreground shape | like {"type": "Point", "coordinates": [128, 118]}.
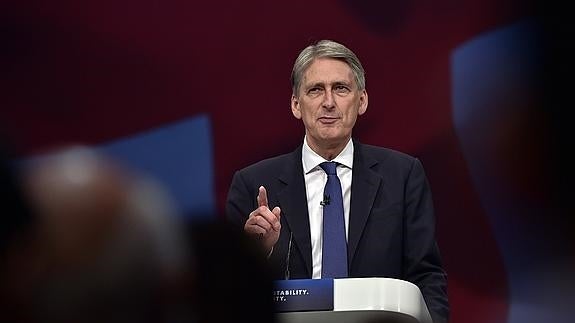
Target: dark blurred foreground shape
{"type": "Point", "coordinates": [101, 245]}
{"type": "Point", "coordinates": [235, 283]}
{"type": "Point", "coordinates": [85, 240]}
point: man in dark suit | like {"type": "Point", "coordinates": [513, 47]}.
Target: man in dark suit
{"type": "Point", "coordinates": [380, 197]}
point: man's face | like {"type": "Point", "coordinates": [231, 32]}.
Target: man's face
{"type": "Point", "coordinates": [328, 101]}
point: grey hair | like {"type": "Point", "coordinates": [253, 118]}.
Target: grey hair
{"type": "Point", "coordinates": [326, 49]}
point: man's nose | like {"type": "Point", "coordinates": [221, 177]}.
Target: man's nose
{"type": "Point", "coordinates": [328, 100]}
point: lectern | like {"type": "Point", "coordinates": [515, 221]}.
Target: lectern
{"type": "Point", "coordinates": [350, 300]}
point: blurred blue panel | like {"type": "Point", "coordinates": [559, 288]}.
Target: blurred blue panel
{"type": "Point", "coordinates": [179, 156]}
{"type": "Point", "coordinates": [495, 81]}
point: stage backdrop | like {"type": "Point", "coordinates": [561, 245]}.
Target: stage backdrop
{"type": "Point", "coordinates": [190, 91]}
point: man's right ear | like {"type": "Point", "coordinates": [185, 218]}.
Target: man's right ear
{"type": "Point", "coordinates": [295, 108]}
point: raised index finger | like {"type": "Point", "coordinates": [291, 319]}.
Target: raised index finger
{"type": "Point", "coordinates": [262, 197]}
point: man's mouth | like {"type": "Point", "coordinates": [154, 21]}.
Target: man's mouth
{"type": "Point", "coordinates": [328, 120]}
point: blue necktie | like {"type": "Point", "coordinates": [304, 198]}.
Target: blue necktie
{"type": "Point", "coordinates": [334, 250]}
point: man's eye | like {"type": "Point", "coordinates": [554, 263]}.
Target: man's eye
{"type": "Point", "coordinates": [341, 89]}
{"type": "Point", "coordinates": [314, 90]}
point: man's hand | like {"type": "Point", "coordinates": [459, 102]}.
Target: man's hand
{"type": "Point", "coordinates": [264, 223]}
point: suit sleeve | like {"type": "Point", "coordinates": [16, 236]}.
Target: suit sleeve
{"type": "Point", "coordinates": [422, 262]}
{"type": "Point", "coordinates": [240, 202]}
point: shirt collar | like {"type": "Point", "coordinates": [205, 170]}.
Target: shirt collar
{"type": "Point", "coordinates": [311, 160]}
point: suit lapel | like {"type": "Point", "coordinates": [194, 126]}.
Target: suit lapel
{"type": "Point", "coordinates": [293, 202]}
{"type": "Point", "coordinates": [364, 186]}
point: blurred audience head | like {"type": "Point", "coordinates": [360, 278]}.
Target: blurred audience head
{"type": "Point", "coordinates": [90, 240]}
{"type": "Point", "coordinates": [104, 245]}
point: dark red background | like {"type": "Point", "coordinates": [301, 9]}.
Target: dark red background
{"type": "Point", "coordinates": [93, 71]}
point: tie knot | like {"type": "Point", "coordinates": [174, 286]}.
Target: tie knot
{"type": "Point", "coordinates": [329, 167]}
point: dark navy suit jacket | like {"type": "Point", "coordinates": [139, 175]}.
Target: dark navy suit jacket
{"type": "Point", "coordinates": [391, 223]}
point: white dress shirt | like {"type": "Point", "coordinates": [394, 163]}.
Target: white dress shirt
{"type": "Point", "coordinates": [315, 180]}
